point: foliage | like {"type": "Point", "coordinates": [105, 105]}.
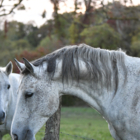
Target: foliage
{"type": "Point", "coordinates": [51, 43]}
{"type": "Point", "coordinates": [30, 55]}
{"type": "Point", "coordinates": [8, 9]}
{"type": "Point", "coordinates": [33, 38]}
{"type": "Point", "coordinates": [7, 51]}
{"type": "Point", "coordinates": [37, 34]}
{"type": "Point", "coordinates": [21, 44]}
{"type": "Point", "coordinates": [18, 30]}
{"type": "Point", "coordinates": [101, 36]}
{"type": "Point", "coordinates": [135, 46]}
{"type": "Point", "coordinates": [73, 31]}
{"type": "Point", "coordinates": [60, 30]}
{"type": "Point", "coordinates": [109, 26]}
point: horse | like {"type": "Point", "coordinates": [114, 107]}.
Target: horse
{"type": "Point", "coordinates": [108, 81]}
{"type": "Point", "coordinates": [9, 83]}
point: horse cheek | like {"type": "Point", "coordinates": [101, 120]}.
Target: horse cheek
{"type": "Point", "coordinates": [53, 105]}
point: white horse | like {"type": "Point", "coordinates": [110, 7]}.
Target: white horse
{"type": "Point", "coordinates": [9, 83]}
{"type": "Point", "coordinates": [107, 80]}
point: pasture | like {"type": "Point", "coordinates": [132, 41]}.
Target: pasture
{"type": "Point", "coordinates": [84, 122]}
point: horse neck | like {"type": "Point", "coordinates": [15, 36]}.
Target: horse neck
{"type": "Point", "coordinates": [96, 94]}
{"type": "Point", "coordinates": [133, 64]}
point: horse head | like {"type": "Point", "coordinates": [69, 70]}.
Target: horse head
{"type": "Point", "coordinates": [34, 97]}
{"type": "Point", "coordinates": [5, 89]}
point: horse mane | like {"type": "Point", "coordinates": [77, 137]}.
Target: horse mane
{"type": "Point", "coordinates": [101, 64]}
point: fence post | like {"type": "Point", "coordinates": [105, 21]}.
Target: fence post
{"type": "Point", "coordinates": [53, 126]}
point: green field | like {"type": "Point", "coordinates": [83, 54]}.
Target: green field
{"type": "Point", "coordinates": [82, 122]}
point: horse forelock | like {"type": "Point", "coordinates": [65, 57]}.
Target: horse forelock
{"type": "Point", "coordinates": [100, 63]}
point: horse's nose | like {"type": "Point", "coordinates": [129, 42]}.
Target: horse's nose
{"type": "Point", "coordinates": [15, 137]}
{"type": "Point", "coordinates": [2, 116]}
{"type": "Point", "coordinates": [19, 133]}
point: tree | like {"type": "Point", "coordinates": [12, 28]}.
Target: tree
{"type": "Point", "coordinates": [73, 33]}
{"type": "Point", "coordinates": [18, 30]}
{"type": "Point", "coordinates": [8, 9]}
{"type": "Point", "coordinates": [88, 16]}
{"type": "Point", "coordinates": [21, 45]}
{"type": "Point", "coordinates": [126, 21]}
{"type": "Point", "coordinates": [51, 44]}
{"type": "Point", "coordinates": [30, 55]}
{"type": "Point", "coordinates": [53, 125]}
{"type": "Point", "coordinates": [135, 45]}
{"type": "Point", "coordinates": [102, 36]}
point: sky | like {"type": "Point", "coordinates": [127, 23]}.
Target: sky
{"type": "Point", "coordinates": [35, 8]}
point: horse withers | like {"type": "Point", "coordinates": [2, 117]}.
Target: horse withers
{"type": "Point", "coordinates": [9, 83]}
{"type": "Point", "coordinates": [107, 80]}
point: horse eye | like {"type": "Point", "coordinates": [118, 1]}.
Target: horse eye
{"type": "Point", "coordinates": [28, 94]}
{"type": "Point", "coordinates": [8, 86]}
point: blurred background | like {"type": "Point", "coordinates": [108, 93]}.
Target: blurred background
{"type": "Point", "coordinates": [34, 28]}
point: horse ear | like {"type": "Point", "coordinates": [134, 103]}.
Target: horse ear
{"type": "Point", "coordinates": [29, 66]}
{"type": "Point", "coordinates": [20, 66]}
{"type": "Point", "coordinates": [9, 68]}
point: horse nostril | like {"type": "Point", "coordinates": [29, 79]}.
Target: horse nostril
{"type": "Point", "coordinates": [3, 115]}
{"type": "Point", "coordinates": [15, 136]}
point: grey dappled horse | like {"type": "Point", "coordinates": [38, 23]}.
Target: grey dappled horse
{"type": "Point", "coordinates": [109, 81]}
{"type": "Point", "coordinates": [9, 83]}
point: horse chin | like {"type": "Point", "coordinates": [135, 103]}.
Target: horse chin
{"type": "Point", "coordinates": [27, 138]}
{"type": "Point", "coordinates": [1, 123]}
{"type": "Point", "coordinates": [28, 135]}
{"type": "Point", "coordinates": [30, 138]}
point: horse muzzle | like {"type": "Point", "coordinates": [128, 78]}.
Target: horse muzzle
{"type": "Point", "coordinates": [25, 134]}
{"type": "Point", "coordinates": [2, 117]}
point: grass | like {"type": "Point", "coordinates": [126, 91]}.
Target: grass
{"type": "Point", "coordinates": [82, 122]}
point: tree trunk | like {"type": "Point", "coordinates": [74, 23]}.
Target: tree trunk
{"type": "Point", "coordinates": [53, 126]}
